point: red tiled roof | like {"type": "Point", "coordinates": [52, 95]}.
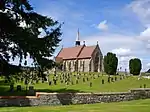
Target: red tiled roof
{"type": "Point", "coordinates": [76, 52]}
{"type": "Point", "coordinates": [87, 52]}
{"type": "Point", "coordinates": [70, 53]}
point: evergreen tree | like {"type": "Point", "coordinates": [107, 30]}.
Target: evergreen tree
{"type": "Point", "coordinates": [135, 66]}
{"type": "Point", "coordinates": [110, 63]}
{"type": "Point", "coordinates": [22, 41]}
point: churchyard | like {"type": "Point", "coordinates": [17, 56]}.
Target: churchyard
{"type": "Point", "coordinates": [73, 82]}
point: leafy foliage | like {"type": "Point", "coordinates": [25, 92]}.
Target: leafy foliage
{"type": "Point", "coordinates": [110, 63]}
{"type": "Point", "coordinates": [22, 41]}
{"type": "Point", "coordinates": [135, 66]}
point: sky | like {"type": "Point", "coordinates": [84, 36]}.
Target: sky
{"type": "Point", "coordinates": [119, 26]}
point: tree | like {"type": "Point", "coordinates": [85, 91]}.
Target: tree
{"type": "Point", "coordinates": [110, 63]}
{"type": "Point", "coordinates": [22, 41]}
{"type": "Point", "coordinates": [135, 66]}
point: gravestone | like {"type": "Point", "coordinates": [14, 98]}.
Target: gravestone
{"type": "Point", "coordinates": [102, 81]}
{"type": "Point", "coordinates": [115, 78]}
{"type": "Point", "coordinates": [6, 81]}
{"type": "Point", "coordinates": [144, 85]}
{"type": "Point", "coordinates": [31, 91]}
{"type": "Point", "coordinates": [90, 84]}
{"type": "Point", "coordinates": [37, 81]}
{"type": "Point", "coordinates": [83, 79]}
{"type": "Point", "coordinates": [18, 87]}
{"type": "Point", "coordinates": [112, 79]}
{"type": "Point", "coordinates": [87, 79]}
{"type": "Point", "coordinates": [50, 82]}
{"type": "Point", "coordinates": [72, 83]}
{"type": "Point", "coordinates": [55, 82]}
{"type": "Point", "coordinates": [77, 81]}
{"type": "Point", "coordinates": [11, 89]}
{"type": "Point", "coordinates": [120, 78]}
{"type": "Point", "coordinates": [108, 79]}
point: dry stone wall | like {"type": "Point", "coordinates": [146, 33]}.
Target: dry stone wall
{"type": "Point", "coordinates": [73, 98]}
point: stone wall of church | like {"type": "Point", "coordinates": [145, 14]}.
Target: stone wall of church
{"type": "Point", "coordinates": [97, 58]}
{"type": "Point", "coordinates": [83, 65]}
{"type": "Point", "coordinates": [69, 65]}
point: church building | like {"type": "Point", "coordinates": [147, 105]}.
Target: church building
{"type": "Point", "coordinates": [81, 58]}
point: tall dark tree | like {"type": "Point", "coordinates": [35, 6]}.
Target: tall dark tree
{"type": "Point", "coordinates": [110, 63]}
{"type": "Point", "coordinates": [135, 66]}
{"type": "Point", "coordinates": [22, 41]}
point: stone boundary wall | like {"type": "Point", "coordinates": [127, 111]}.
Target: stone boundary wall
{"type": "Point", "coordinates": [73, 98]}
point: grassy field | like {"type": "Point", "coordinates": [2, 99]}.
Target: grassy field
{"type": "Point", "coordinates": [97, 86]}
{"type": "Point", "coordinates": [130, 106]}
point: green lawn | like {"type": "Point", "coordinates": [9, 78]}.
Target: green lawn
{"type": "Point", "coordinates": [130, 106]}
{"type": "Point", "coordinates": [97, 86]}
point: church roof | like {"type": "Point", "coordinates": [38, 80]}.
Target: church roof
{"type": "Point", "coordinates": [70, 53]}
{"type": "Point", "coordinates": [76, 52]}
{"type": "Point", "coordinates": [87, 52]}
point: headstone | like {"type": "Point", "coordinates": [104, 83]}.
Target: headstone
{"type": "Point", "coordinates": [87, 79]}
{"type": "Point", "coordinates": [55, 82]}
{"type": "Point", "coordinates": [102, 81]}
{"type": "Point", "coordinates": [21, 79]}
{"type": "Point", "coordinates": [50, 82]}
{"type": "Point", "coordinates": [108, 79]}
{"type": "Point", "coordinates": [83, 79]}
{"type": "Point", "coordinates": [120, 78]}
{"type": "Point", "coordinates": [112, 79]}
{"type": "Point", "coordinates": [37, 81]}
{"type": "Point", "coordinates": [31, 90]}
{"type": "Point", "coordinates": [72, 83]}
{"type": "Point", "coordinates": [90, 84]}
{"type": "Point", "coordinates": [77, 81]}
{"type": "Point", "coordinates": [115, 78]}
{"type": "Point", "coordinates": [6, 81]}
{"type": "Point", "coordinates": [11, 89]}
{"type": "Point", "coordinates": [18, 87]}
{"type": "Point", "coordinates": [144, 85]}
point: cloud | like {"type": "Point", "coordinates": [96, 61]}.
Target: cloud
{"type": "Point", "coordinates": [148, 64]}
{"type": "Point", "coordinates": [103, 25]}
{"type": "Point", "coordinates": [122, 52]}
{"type": "Point", "coordinates": [125, 46]}
{"type": "Point", "coordinates": [142, 10]}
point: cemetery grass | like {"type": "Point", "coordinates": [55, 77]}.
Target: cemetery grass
{"type": "Point", "coordinates": [128, 106]}
{"type": "Point", "coordinates": [123, 85]}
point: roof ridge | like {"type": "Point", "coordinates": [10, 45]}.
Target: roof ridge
{"type": "Point", "coordinates": [81, 50]}
{"type": "Point", "coordinates": [74, 46]}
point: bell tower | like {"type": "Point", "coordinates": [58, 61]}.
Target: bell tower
{"type": "Point", "coordinates": [77, 43]}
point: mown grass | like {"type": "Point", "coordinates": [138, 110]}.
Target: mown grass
{"type": "Point", "coordinates": [97, 86]}
{"type": "Point", "coordinates": [129, 106]}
